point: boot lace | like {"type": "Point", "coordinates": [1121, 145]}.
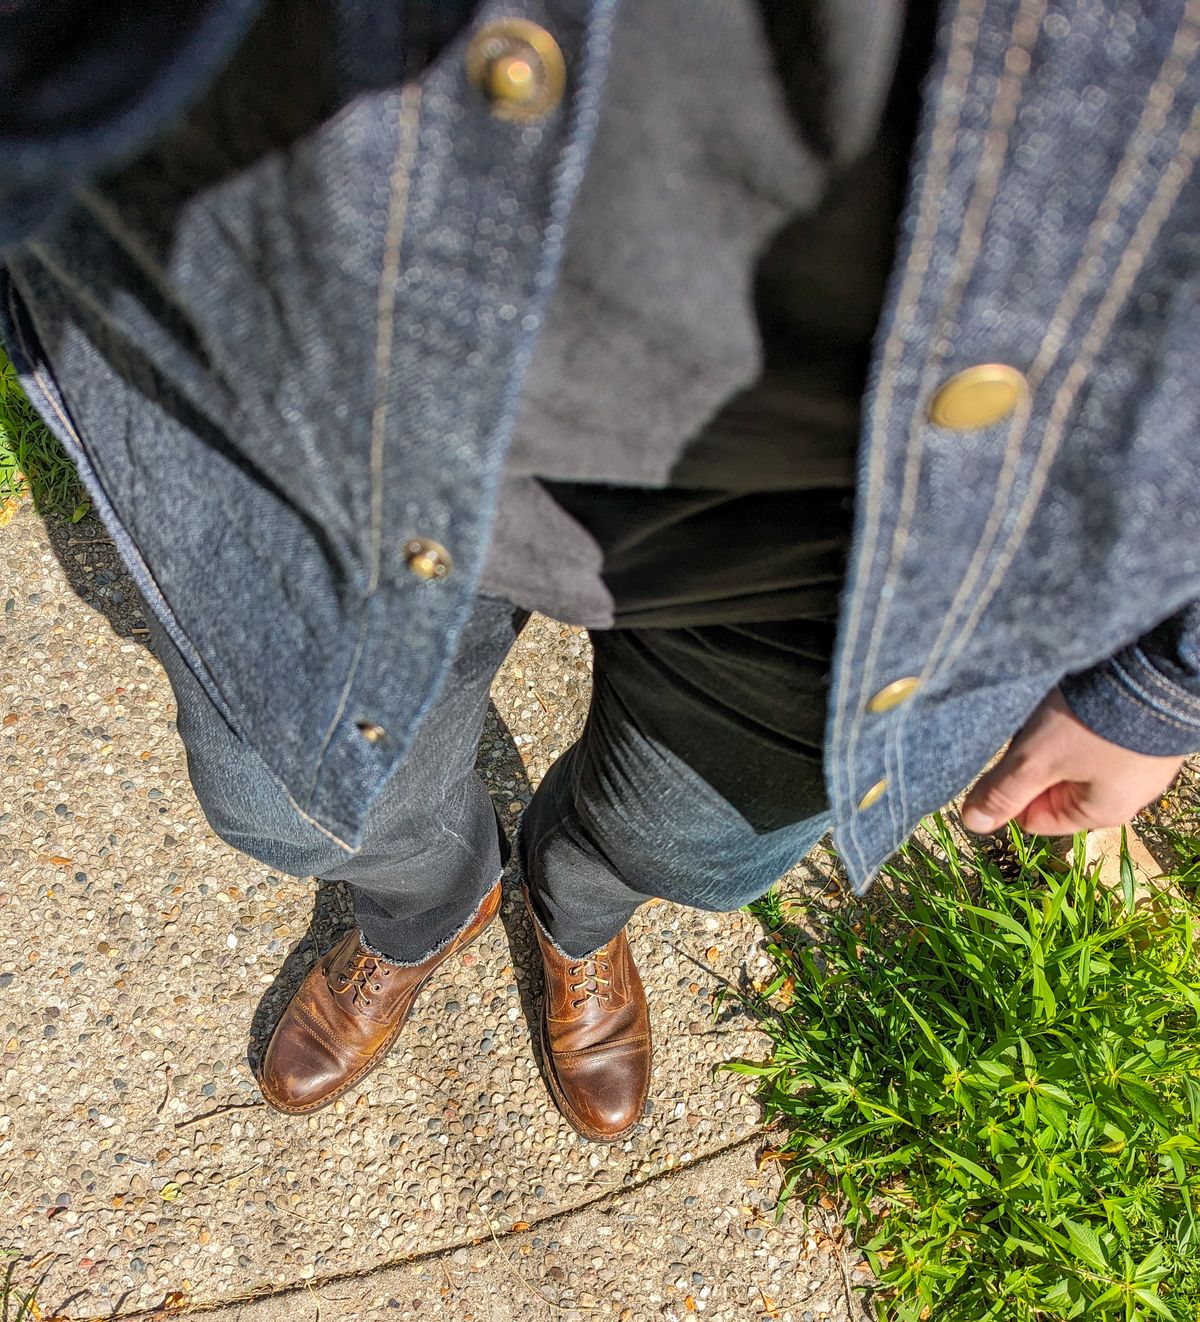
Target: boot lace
{"type": "Point", "coordinates": [591, 978]}
{"type": "Point", "coordinates": [365, 975]}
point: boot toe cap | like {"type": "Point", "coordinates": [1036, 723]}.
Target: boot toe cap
{"type": "Point", "coordinates": [299, 1072]}
{"type": "Point", "coordinates": [605, 1091]}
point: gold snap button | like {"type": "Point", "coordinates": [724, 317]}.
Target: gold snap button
{"type": "Point", "coordinates": [519, 68]}
{"type": "Point", "coordinates": [371, 732]}
{"type": "Point", "coordinates": [873, 795]}
{"type": "Point", "coordinates": [428, 560]}
{"type": "Point", "coordinates": [893, 694]}
{"type": "Point", "coordinates": [977, 397]}
{"type": "Point", "coordinates": [511, 79]}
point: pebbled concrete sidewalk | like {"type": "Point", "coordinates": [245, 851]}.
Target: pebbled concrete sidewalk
{"type": "Point", "coordinates": [144, 963]}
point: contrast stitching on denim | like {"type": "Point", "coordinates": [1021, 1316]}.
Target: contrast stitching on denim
{"type": "Point", "coordinates": [48, 395]}
{"type": "Point", "coordinates": [1153, 218]}
{"type": "Point", "coordinates": [51, 265]}
{"type": "Point", "coordinates": [951, 94]}
{"type": "Point", "coordinates": [1017, 62]}
{"type": "Point", "coordinates": [1159, 99]}
{"type": "Point", "coordinates": [109, 219]}
{"type": "Point", "coordinates": [385, 318]}
{"type": "Point", "coordinates": [83, 295]}
{"type": "Point", "coordinates": [1025, 30]}
{"type": "Point", "coordinates": [1149, 126]}
{"type": "Point", "coordinates": [1129, 689]}
{"type": "Point", "coordinates": [1156, 689]}
{"type": "Point", "coordinates": [312, 821]}
{"type": "Point", "coordinates": [125, 544]}
{"type": "Point", "coordinates": [1183, 701]}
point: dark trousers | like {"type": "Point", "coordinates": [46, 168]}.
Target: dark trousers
{"type": "Point", "coordinates": [696, 779]}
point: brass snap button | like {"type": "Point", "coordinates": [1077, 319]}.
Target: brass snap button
{"type": "Point", "coordinates": [873, 795]}
{"type": "Point", "coordinates": [977, 397]}
{"type": "Point", "coordinates": [893, 694]}
{"type": "Point", "coordinates": [518, 66]}
{"type": "Point", "coordinates": [371, 732]}
{"type": "Point", "coordinates": [428, 560]}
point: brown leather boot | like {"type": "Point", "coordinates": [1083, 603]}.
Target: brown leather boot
{"type": "Point", "coordinates": [595, 1036]}
{"type": "Point", "coordinates": [345, 1016]}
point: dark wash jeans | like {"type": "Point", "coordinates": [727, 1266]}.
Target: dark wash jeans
{"type": "Point", "coordinates": [697, 779]}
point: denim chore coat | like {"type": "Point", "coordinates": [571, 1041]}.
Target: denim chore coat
{"type": "Point", "coordinates": [281, 326]}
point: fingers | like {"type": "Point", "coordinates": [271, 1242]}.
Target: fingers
{"type": "Point", "coordinates": [1040, 800]}
{"type": "Point", "coordinates": [1058, 776]}
{"type": "Point", "coordinates": [1063, 809]}
{"type": "Point", "coordinates": [1003, 793]}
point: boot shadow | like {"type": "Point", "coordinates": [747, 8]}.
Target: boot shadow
{"type": "Point", "coordinates": [500, 766]}
{"type": "Point", "coordinates": [332, 916]}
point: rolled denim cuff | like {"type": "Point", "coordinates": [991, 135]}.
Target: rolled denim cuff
{"type": "Point", "coordinates": [1130, 701]}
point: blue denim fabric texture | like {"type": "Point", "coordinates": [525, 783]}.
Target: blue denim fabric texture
{"type": "Point", "coordinates": [410, 278]}
{"type": "Point", "coordinates": [431, 845]}
{"type": "Point", "coordinates": [112, 96]}
{"type": "Point", "coordinates": [632, 811]}
{"type": "Point", "coordinates": [205, 362]}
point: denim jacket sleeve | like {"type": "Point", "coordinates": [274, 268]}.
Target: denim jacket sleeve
{"type": "Point", "coordinates": [77, 95]}
{"type": "Point", "coordinates": [1147, 696]}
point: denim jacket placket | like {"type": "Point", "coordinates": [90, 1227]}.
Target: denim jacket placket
{"type": "Point", "coordinates": [923, 602]}
{"type": "Point", "coordinates": [1051, 226]}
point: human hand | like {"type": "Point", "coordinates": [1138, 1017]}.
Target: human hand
{"type": "Point", "coordinates": [1058, 776]}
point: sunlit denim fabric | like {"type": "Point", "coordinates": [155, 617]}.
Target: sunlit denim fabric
{"type": "Point", "coordinates": [692, 781]}
{"type": "Point", "coordinates": [198, 343]}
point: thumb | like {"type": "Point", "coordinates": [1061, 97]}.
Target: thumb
{"type": "Point", "coordinates": [1003, 793]}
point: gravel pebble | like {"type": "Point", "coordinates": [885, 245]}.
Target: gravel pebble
{"type": "Point", "coordinates": [163, 956]}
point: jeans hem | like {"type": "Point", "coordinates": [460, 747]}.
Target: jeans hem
{"type": "Point", "coordinates": [525, 882]}
{"type": "Point", "coordinates": [447, 940]}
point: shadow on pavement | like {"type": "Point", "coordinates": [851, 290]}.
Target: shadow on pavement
{"type": "Point", "coordinates": [504, 773]}
{"type": "Point", "coordinates": [500, 765]}
{"type": "Point", "coordinates": [97, 574]}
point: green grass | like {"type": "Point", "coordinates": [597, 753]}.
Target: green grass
{"type": "Point", "coordinates": [31, 460]}
{"type": "Point", "coordinates": [993, 1068]}
{"type": "Point", "coordinates": [17, 1304]}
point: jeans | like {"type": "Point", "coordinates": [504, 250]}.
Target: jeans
{"type": "Point", "coordinates": [697, 779]}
